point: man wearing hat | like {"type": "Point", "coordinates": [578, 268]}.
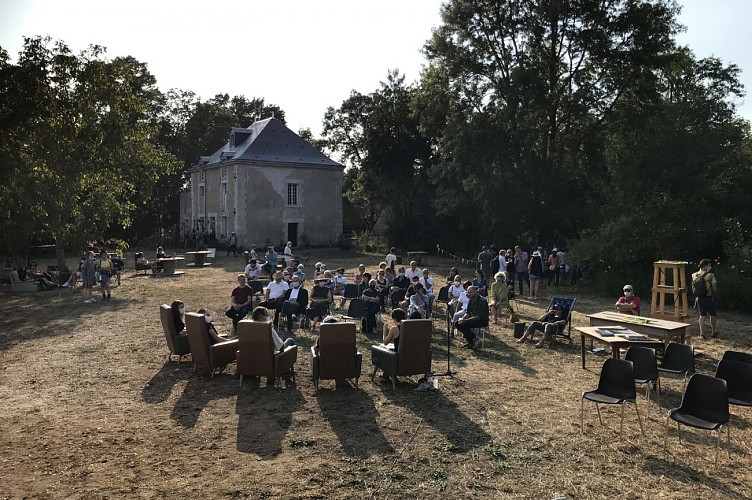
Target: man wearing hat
{"type": "Point", "coordinates": [275, 295]}
{"type": "Point", "coordinates": [295, 302]}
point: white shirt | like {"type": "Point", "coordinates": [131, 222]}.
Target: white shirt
{"type": "Point", "coordinates": [456, 291]}
{"type": "Point", "coordinates": [288, 254]}
{"type": "Point", "coordinates": [428, 285]}
{"type": "Point", "coordinates": [410, 273]}
{"type": "Point", "coordinates": [251, 272]}
{"type": "Point", "coordinates": [390, 260]}
{"type": "Point", "coordinates": [294, 293]}
{"type": "Point", "coordinates": [277, 289]}
{"type": "Point", "coordinates": [340, 281]}
{"type": "Point", "coordinates": [464, 300]}
{"type": "Point", "coordinates": [277, 341]}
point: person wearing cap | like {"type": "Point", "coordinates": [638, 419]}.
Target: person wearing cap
{"type": "Point", "coordinates": [535, 269]}
{"type": "Point", "coordinates": [321, 298]}
{"type": "Point", "coordinates": [275, 295]}
{"type": "Point", "coordinates": [629, 303]}
{"type": "Point", "coordinates": [391, 259]}
{"type": "Point", "coordinates": [252, 269]}
{"type": "Point", "coordinates": [549, 323]}
{"type": "Point", "coordinates": [240, 302]}
{"type": "Point", "coordinates": [413, 271]}
{"type": "Point", "coordinates": [295, 302]}
{"type": "Point", "coordinates": [288, 253]}
{"type": "Point", "coordinates": [476, 316]}
{"type": "Point", "coordinates": [359, 275]}
{"type": "Point", "coordinates": [233, 245]}
{"type": "Point", "coordinates": [554, 267]}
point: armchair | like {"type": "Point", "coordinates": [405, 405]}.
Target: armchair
{"type": "Point", "coordinates": [203, 353]}
{"type": "Point", "coordinates": [177, 344]}
{"type": "Point", "coordinates": [413, 356]}
{"type": "Point", "coordinates": [337, 356]}
{"type": "Point", "coordinates": [256, 355]}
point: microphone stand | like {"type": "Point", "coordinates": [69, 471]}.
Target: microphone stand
{"type": "Point", "coordinates": [448, 372]}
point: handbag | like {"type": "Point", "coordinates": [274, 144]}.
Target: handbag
{"type": "Point", "coordinates": [553, 267]}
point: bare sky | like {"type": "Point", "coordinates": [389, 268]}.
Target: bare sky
{"type": "Point", "coordinates": [303, 56]}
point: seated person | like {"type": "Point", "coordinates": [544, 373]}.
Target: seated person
{"type": "Point", "coordinates": [549, 323]}
{"type": "Point", "coordinates": [44, 280]}
{"type": "Point", "coordinates": [399, 288]}
{"type": "Point", "coordinates": [321, 298]}
{"type": "Point", "coordinates": [295, 302]}
{"type": "Point", "coordinates": [214, 336]}
{"type": "Point", "coordinates": [359, 275]}
{"type": "Point", "coordinates": [252, 253]}
{"type": "Point", "coordinates": [178, 311]}
{"type": "Point", "coordinates": [419, 304]}
{"type": "Point", "coordinates": [498, 295]}
{"type": "Point", "coordinates": [427, 283]}
{"type": "Point", "coordinates": [629, 303]}
{"type": "Point", "coordinates": [300, 273]}
{"type": "Point", "coordinates": [270, 266]}
{"type": "Point", "coordinates": [382, 286]}
{"type": "Point", "coordinates": [241, 299]}
{"type": "Point", "coordinates": [453, 276]}
{"type": "Point", "coordinates": [480, 283]}
{"type": "Point", "coordinates": [389, 274]}
{"type": "Point", "coordinates": [476, 316]}
{"type": "Point", "coordinates": [141, 260]}
{"type": "Point", "coordinates": [160, 254]}
{"type": "Point", "coordinates": [261, 314]}
{"type": "Point", "coordinates": [413, 270]}
{"type": "Point", "coordinates": [392, 333]}
{"type": "Point", "coordinates": [252, 270]}
{"type": "Point", "coordinates": [339, 284]}
{"type": "Point", "coordinates": [372, 297]}
{"type": "Point", "coordinates": [73, 279]}
{"type": "Point", "coordinates": [460, 306]}
{"type": "Point", "coordinates": [456, 289]}
{"type": "Point", "coordinates": [275, 295]}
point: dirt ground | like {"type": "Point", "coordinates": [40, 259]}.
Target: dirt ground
{"type": "Point", "coordinates": [91, 409]}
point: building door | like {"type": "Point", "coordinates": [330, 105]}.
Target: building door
{"type": "Point", "coordinates": [292, 233]}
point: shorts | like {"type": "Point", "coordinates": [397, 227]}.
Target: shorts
{"type": "Point", "coordinates": [534, 277]}
{"type": "Point", "coordinates": [105, 279]}
{"type": "Point", "coordinates": [707, 306]}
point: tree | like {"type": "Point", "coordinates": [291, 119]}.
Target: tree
{"type": "Point", "coordinates": [83, 141]}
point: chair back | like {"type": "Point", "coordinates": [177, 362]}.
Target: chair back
{"type": "Point", "coordinates": [257, 286]}
{"type": "Point", "coordinates": [617, 379]}
{"type": "Point", "coordinates": [255, 348]}
{"type": "Point", "coordinates": [566, 303]}
{"type": "Point", "coordinates": [741, 357]}
{"type": "Point", "coordinates": [738, 377]}
{"type": "Point", "coordinates": [198, 338]}
{"type": "Point", "coordinates": [351, 291]}
{"type": "Point", "coordinates": [679, 357]}
{"type": "Point", "coordinates": [337, 351]}
{"type": "Point", "coordinates": [415, 347]}
{"type": "Point", "coordinates": [443, 294]}
{"type": "Point", "coordinates": [644, 363]}
{"type": "Point", "coordinates": [706, 397]}
{"type": "Point", "coordinates": [168, 325]}
{"type": "Point", "coordinates": [357, 308]}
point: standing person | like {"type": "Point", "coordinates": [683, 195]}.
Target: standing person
{"type": "Point", "coordinates": [521, 268]}
{"type": "Point", "coordinates": [511, 268]}
{"type": "Point", "coordinates": [476, 316]}
{"type": "Point", "coordinates": [484, 259]}
{"type": "Point", "coordinates": [705, 290]}
{"type": "Point", "coordinates": [88, 275]}
{"type": "Point", "coordinates": [554, 267]}
{"type": "Point", "coordinates": [535, 271]}
{"type": "Point", "coordinates": [391, 259]}
{"type": "Point", "coordinates": [105, 268]}
{"type": "Point", "coordinates": [288, 253]}
{"type": "Point", "coordinates": [240, 300]}
{"type": "Point", "coordinates": [629, 303]}
{"type": "Point", "coordinates": [233, 245]}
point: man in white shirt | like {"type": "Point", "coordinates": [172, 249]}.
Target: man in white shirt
{"type": "Point", "coordinates": [413, 270]}
{"type": "Point", "coordinates": [391, 259]}
{"type": "Point", "coordinates": [252, 270]}
{"type": "Point", "coordinates": [339, 285]}
{"type": "Point", "coordinates": [275, 296]}
{"type": "Point", "coordinates": [288, 253]}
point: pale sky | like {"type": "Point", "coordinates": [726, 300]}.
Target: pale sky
{"type": "Point", "coordinates": [300, 55]}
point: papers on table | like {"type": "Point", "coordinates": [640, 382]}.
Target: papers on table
{"type": "Point", "coordinates": [621, 332]}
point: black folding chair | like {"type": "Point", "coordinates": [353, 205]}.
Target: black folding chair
{"type": "Point", "coordinates": [678, 359]}
{"type": "Point", "coordinates": [356, 311]}
{"type": "Point", "coordinates": [741, 357]}
{"type": "Point", "coordinates": [616, 386]}
{"type": "Point", "coordinates": [645, 368]}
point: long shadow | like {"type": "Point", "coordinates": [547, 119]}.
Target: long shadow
{"type": "Point", "coordinates": [659, 466]}
{"type": "Point", "coordinates": [265, 415]}
{"type": "Point", "coordinates": [160, 385]}
{"type": "Point", "coordinates": [499, 351]}
{"type": "Point", "coordinates": [444, 415]}
{"type": "Point", "coordinates": [197, 394]}
{"type": "Point", "coordinates": [352, 416]}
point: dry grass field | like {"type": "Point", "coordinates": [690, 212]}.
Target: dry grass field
{"type": "Point", "coordinates": [90, 409]}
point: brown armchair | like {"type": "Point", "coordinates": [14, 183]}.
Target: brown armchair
{"type": "Point", "coordinates": [337, 356]}
{"type": "Point", "coordinates": [256, 354]}
{"type": "Point", "coordinates": [177, 344]}
{"type": "Point", "coordinates": [413, 356]}
{"type": "Point", "coordinates": [203, 353]}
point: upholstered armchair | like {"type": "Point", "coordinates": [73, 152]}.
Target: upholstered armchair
{"type": "Point", "coordinates": [177, 344]}
{"type": "Point", "coordinates": [413, 357]}
{"type": "Point", "coordinates": [337, 356]}
{"type": "Point", "coordinates": [257, 356]}
{"type": "Point", "coordinates": [204, 354]}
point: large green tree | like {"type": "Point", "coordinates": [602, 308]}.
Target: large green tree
{"type": "Point", "coordinates": [78, 147]}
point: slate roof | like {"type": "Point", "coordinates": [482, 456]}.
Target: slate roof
{"type": "Point", "coordinates": [268, 141]}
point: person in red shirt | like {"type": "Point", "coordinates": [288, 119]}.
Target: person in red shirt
{"type": "Point", "coordinates": [241, 299]}
{"type": "Point", "coordinates": [629, 303]}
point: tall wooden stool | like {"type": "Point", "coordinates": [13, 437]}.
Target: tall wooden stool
{"type": "Point", "coordinates": [669, 278]}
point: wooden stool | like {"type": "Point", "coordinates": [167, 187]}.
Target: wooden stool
{"type": "Point", "coordinates": [669, 278]}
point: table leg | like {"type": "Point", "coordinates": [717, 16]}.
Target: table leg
{"type": "Point", "coordinates": [615, 351]}
{"type": "Point", "coordinates": [582, 348]}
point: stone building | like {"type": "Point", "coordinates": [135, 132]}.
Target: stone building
{"type": "Point", "coordinates": [269, 186]}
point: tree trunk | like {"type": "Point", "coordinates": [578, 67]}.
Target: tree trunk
{"type": "Point", "coordinates": [60, 252]}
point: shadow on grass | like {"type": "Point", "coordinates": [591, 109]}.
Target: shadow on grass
{"type": "Point", "coordinates": [660, 466]}
{"type": "Point", "coordinates": [160, 385]}
{"type": "Point", "coordinates": [352, 416]}
{"type": "Point", "coordinates": [500, 352]}
{"type": "Point", "coordinates": [197, 394]}
{"type": "Point", "coordinates": [265, 415]}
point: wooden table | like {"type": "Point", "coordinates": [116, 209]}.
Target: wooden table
{"type": "Point", "coordinates": [653, 327]}
{"type": "Point", "coordinates": [168, 266]}
{"type": "Point", "coordinates": [417, 256]}
{"type": "Point", "coordinates": [616, 342]}
{"type": "Point", "coordinates": [199, 258]}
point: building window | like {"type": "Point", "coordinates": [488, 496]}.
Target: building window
{"type": "Point", "coordinates": [292, 195]}
{"type": "Point", "coordinates": [201, 191]}
{"type": "Point", "coordinates": [223, 197]}
{"type": "Point", "coordinates": [201, 175]}
{"type": "Point", "coordinates": [224, 172]}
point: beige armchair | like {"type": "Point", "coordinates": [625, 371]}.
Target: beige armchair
{"type": "Point", "coordinates": [413, 356]}
{"type": "Point", "coordinates": [256, 354]}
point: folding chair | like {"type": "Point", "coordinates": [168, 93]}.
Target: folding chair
{"type": "Point", "coordinates": [567, 305]}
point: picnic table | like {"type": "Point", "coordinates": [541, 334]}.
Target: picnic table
{"type": "Point", "coordinates": [168, 266]}
{"type": "Point", "coordinates": [652, 327]}
{"type": "Point", "coordinates": [199, 258]}
{"type": "Point", "coordinates": [417, 256]}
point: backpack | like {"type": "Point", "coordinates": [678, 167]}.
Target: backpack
{"type": "Point", "coordinates": [699, 287]}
